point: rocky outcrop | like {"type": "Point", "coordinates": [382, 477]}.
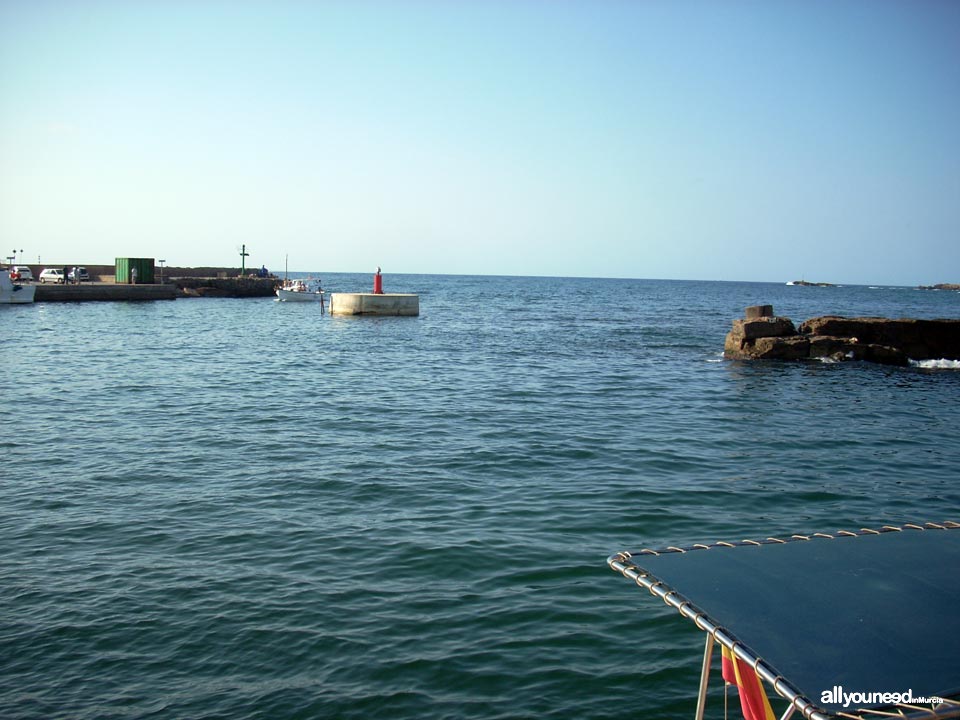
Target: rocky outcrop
{"type": "Point", "coordinates": [941, 286]}
{"type": "Point", "coordinates": [763, 336]}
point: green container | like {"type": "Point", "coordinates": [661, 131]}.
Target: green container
{"type": "Point", "coordinates": [125, 271]}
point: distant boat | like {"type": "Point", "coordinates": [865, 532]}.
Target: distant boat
{"type": "Point", "coordinates": [14, 293]}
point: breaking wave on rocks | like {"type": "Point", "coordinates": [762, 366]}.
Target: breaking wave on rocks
{"type": "Point", "coordinates": [941, 364]}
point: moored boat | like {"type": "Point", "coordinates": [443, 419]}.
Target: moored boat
{"type": "Point", "coordinates": [15, 293]}
{"type": "Point", "coordinates": [300, 291]}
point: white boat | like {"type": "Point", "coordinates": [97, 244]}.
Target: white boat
{"type": "Point", "coordinates": [14, 292]}
{"type": "Point", "coordinates": [300, 291]}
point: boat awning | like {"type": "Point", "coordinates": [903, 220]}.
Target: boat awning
{"type": "Point", "coordinates": [825, 617]}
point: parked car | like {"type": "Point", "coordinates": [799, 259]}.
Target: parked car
{"type": "Point", "coordinates": [21, 272]}
{"type": "Point", "coordinates": [82, 272]}
{"type": "Point", "coordinates": [54, 275]}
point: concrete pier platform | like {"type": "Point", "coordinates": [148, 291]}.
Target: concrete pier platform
{"type": "Point", "coordinates": [87, 292]}
{"type": "Point", "coordinates": [371, 304]}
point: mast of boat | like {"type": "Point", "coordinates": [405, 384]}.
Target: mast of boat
{"type": "Point", "coordinates": [286, 259]}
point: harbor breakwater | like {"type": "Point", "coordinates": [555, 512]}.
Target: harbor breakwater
{"type": "Point", "coordinates": [88, 292]}
{"type": "Point", "coordinates": [181, 287]}
{"type": "Point", "coordinates": [237, 287]}
{"type": "Point", "coordinates": [167, 273]}
{"type": "Point", "coordinates": [763, 336]}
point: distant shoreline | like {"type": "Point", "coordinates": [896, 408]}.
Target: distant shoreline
{"type": "Point", "coordinates": [106, 273]}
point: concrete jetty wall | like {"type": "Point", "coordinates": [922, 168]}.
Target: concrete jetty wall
{"type": "Point", "coordinates": [87, 292]}
{"type": "Point", "coordinates": [371, 304]}
{"type": "Point", "coordinates": [184, 288]}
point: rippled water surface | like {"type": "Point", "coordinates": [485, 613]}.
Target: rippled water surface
{"type": "Point", "coordinates": [241, 509]}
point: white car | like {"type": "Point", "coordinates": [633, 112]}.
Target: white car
{"type": "Point", "coordinates": [54, 275]}
{"type": "Point", "coordinates": [82, 272]}
{"type": "Point", "coordinates": [23, 272]}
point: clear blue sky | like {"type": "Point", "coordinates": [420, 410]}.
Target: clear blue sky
{"type": "Point", "coordinates": [755, 140]}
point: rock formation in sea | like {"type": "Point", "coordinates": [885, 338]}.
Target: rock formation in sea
{"type": "Point", "coordinates": [942, 286]}
{"type": "Point", "coordinates": [760, 335]}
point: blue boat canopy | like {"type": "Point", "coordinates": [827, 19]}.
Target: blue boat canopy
{"type": "Point", "coordinates": [854, 624]}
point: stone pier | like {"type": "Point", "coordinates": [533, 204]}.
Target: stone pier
{"type": "Point", "coordinates": [88, 292]}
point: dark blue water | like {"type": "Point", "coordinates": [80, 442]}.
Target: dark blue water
{"type": "Point", "coordinates": [241, 509]}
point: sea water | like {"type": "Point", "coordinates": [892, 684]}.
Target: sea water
{"type": "Point", "coordinates": [218, 508]}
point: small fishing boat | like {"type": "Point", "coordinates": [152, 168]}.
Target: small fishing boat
{"type": "Point", "coordinates": [308, 290]}
{"type": "Point", "coordinates": [300, 291]}
{"type": "Point", "coordinates": [858, 625]}
{"type": "Point", "coordinates": [14, 293]}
